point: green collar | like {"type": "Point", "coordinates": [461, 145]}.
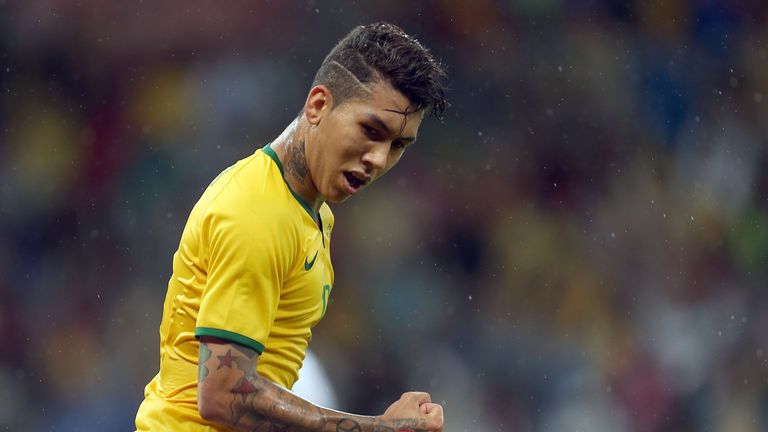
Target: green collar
{"type": "Point", "coordinates": [271, 153]}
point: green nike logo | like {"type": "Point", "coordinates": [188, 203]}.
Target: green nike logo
{"type": "Point", "coordinates": [326, 291]}
{"type": "Point", "coordinates": [308, 265]}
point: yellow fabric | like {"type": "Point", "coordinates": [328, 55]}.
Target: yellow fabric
{"type": "Point", "coordinates": [240, 274]}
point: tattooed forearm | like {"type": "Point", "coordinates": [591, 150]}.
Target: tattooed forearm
{"type": "Point", "coordinates": [413, 424]}
{"type": "Point", "coordinates": [259, 405]}
{"type": "Point", "coordinates": [254, 403]}
{"type": "Point", "coordinates": [296, 163]}
{"type": "Point", "coordinates": [233, 393]}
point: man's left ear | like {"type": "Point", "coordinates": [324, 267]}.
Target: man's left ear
{"type": "Point", "coordinates": [319, 102]}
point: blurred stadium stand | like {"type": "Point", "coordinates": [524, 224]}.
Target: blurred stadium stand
{"type": "Point", "coordinates": [580, 244]}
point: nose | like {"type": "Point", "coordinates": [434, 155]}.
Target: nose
{"type": "Point", "coordinates": [375, 159]}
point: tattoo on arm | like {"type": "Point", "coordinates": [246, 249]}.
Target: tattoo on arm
{"type": "Point", "coordinates": [205, 354]}
{"type": "Point", "coordinates": [296, 163]}
{"type": "Point", "coordinates": [417, 425]}
{"type": "Point", "coordinates": [225, 360]}
{"type": "Point", "coordinates": [257, 404]}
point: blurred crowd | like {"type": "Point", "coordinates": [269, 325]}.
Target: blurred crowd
{"type": "Point", "coordinates": [579, 244]}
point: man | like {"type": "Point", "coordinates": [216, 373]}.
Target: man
{"type": "Point", "coordinates": [253, 273]}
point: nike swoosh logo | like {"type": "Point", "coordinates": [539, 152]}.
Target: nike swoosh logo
{"type": "Point", "coordinates": [308, 264]}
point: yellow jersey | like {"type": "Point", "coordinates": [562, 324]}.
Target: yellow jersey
{"type": "Point", "coordinates": [254, 268]}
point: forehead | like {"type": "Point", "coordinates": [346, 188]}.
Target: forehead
{"type": "Point", "coordinates": [391, 106]}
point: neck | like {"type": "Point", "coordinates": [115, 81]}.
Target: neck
{"type": "Point", "coordinates": [290, 147]}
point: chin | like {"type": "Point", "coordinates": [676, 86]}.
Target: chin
{"type": "Point", "coordinates": [335, 196]}
{"type": "Point", "coordinates": [334, 193]}
{"type": "Point", "coordinates": [337, 200]}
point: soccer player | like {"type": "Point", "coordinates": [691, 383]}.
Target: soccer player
{"type": "Point", "coordinates": [253, 273]}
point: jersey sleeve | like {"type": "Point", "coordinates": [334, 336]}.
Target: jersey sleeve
{"type": "Point", "coordinates": [249, 256]}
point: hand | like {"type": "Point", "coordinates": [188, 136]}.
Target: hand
{"type": "Point", "coordinates": [430, 408]}
{"type": "Point", "coordinates": [435, 410]}
{"type": "Point", "coordinates": [414, 411]}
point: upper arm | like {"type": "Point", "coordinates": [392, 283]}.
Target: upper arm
{"type": "Point", "coordinates": [249, 254]}
{"type": "Point", "coordinates": [224, 368]}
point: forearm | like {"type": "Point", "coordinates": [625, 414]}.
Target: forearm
{"type": "Point", "coordinates": [258, 404]}
{"type": "Point", "coordinates": [232, 393]}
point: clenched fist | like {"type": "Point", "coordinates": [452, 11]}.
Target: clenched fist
{"type": "Point", "coordinates": [413, 412]}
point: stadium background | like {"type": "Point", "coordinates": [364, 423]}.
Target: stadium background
{"type": "Point", "coordinates": [581, 243]}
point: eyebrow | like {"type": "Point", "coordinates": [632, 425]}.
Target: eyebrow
{"type": "Point", "coordinates": [381, 124]}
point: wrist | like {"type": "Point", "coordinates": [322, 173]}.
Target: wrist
{"type": "Point", "coordinates": [339, 421]}
{"type": "Point", "coordinates": [381, 425]}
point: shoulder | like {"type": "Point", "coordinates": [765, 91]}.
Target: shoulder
{"type": "Point", "coordinates": [254, 180]}
{"type": "Point", "coordinates": [250, 196]}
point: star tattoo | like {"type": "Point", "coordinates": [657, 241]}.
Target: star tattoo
{"type": "Point", "coordinates": [226, 360]}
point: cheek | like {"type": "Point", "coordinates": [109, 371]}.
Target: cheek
{"type": "Point", "coordinates": [338, 139]}
{"type": "Point", "coordinates": [394, 159]}
{"type": "Point", "coordinates": [330, 162]}
{"type": "Point", "coordinates": [390, 163]}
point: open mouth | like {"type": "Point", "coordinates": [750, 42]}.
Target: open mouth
{"type": "Point", "coordinates": [354, 182]}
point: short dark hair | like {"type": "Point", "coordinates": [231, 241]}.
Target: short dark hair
{"type": "Point", "coordinates": [384, 52]}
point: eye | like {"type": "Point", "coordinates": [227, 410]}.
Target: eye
{"type": "Point", "coordinates": [398, 145]}
{"type": "Point", "coordinates": [370, 132]}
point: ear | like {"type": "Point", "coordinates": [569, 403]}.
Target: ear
{"type": "Point", "coordinates": [319, 102]}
